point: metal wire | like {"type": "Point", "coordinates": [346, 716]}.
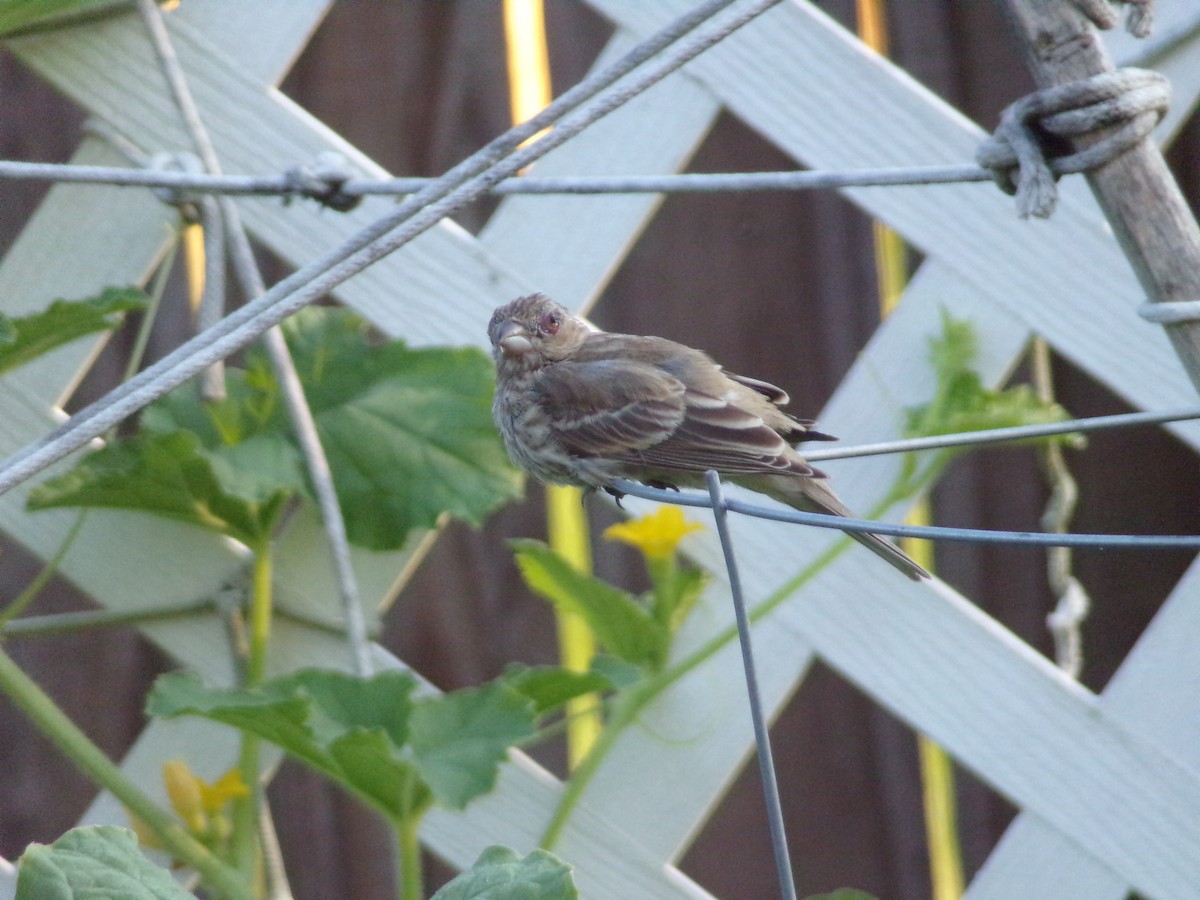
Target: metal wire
{"type": "Point", "coordinates": [691, 182]}
{"type": "Point", "coordinates": [928, 532]}
{"type": "Point", "coordinates": [463, 184]}
{"type": "Point", "coordinates": [1004, 435]}
{"type": "Point", "coordinates": [222, 218]}
{"type": "Point", "coordinates": [762, 736]}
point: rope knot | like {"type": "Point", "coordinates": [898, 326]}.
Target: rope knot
{"type": "Point", "coordinates": [324, 180]}
{"type": "Point", "coordinates": [1032, 146]}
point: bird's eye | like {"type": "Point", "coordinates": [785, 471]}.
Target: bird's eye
{"type": "Point", "coordinates": [548, 322]}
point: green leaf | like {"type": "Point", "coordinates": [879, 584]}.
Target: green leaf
{"type": "Point", "coordinates": [962, 403]}
{"type": "Point", "coordinates": [676, 590]}
{"type": "Point", "coordinates": [618, 673]}
{"type": "Point", "coordinates": [350, 729]}
{"type": "Point", "coordinates": [459, 739]}
{"type": "Point", "coordinates": [245, 437]}
{"type": "Point", "coordinates": [619, 623]}
{"type": "Point", "coordinates": [409, 433]}
{"type": "Point", "coordinates": [368, 734]}
{"type": "Point", "coordinates": [169, 476]}
{"type": "Point", "coordinates": [550, 687]}
{"type": "Point", "coordinates": [97, 861]}
{"type": "Point", "coordinates": [500, 874]}
{"type": "Point", "coordinates": [28, 337]}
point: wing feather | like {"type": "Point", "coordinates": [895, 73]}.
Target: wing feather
{"type": "Point", "coordinates": [606, 407]}
{"type": "Point", "coordinates": [663, 406]}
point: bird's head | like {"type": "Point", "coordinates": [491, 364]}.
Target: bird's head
{"type": "Point", "coordinates": [533, 331]}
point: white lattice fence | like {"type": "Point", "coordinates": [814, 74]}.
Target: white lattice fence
{"type": "Point", "coordinates": [1107, 786]}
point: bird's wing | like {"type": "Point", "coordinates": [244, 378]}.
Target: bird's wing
{"type": "Point", "coordinates": [776, 395]}
{"type": "Point", "coordinates": [717, 433]}
{"type": "Point", "coordinates": [610, 407]}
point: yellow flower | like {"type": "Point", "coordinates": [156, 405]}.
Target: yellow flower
{"type": "Point", "coordinates": [183, 790]}
{"type": "Point", "coordinates": [224, 790]}
{"type": "Point", "coordinates": [656, 535]}
{"type": "Point", "coordinates": [194, 799]}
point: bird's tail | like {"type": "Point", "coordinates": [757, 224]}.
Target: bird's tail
{"type": "Point", "coordinates": [814, 495]}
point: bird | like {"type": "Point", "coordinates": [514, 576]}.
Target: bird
{"type": "Point", "coordinates": [579, 406]}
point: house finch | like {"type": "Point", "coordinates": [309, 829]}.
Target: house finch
{"type": "Point", "coordinates": [580, 406]}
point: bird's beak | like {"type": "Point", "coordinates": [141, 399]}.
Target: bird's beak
{"type": "Point", "coordinates": [513, 339]}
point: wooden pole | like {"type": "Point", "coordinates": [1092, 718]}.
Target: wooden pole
{"type": "Point", "coordinates": [1148, 214]}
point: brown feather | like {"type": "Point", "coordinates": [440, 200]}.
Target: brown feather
{"type": "Point", "coordinates": [580, 407]}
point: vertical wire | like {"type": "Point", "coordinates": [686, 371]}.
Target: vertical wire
{"type": "Point", "coordinates": [937, 771]}
{"type": "Point", "coordinates": [301, 417]}
{"type": "Point", "coordinates": [528, 62]}
{"type": "Point", "coordinates": [762, 737]}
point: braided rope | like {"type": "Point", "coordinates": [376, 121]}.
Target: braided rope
{"type": "Point", "coordinates": [1129, 101]}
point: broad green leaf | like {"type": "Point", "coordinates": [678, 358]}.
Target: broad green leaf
{"type": "Point", "coordinates": [550, 687]}
{"type": "Point", "coordinates": [338, 724]}
{"type": "Point", "coordinates": [619, 623]}
{"type": "Point", "coordinates": [409, 433]}
{"type": "Point", "coordinates": [98, 861]}
{"type": "Point", "coordinates": [342, 702]}
{"type": "Point", "coordinates": [618, 673]}
{"type": "Point", "coordinates": [459, 739]}
{"type": "Point", "coordinates": [27, 337]}
{"type": "Point", "coordinates": [169, 476]}
{"type": "Point", "coordinates": [274, 710]}
{"type": "Point", "coordinates": [501, 874]}
{"type": "Point", "coordinates": [370, 766]}
{"type": "Point", "coordinates": [367, 734]}
{"type": "Point", "coordinates": [251, 407]}
{"type": "Point", "coordinates": [244, 437]}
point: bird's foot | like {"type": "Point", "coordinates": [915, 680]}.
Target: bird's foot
{"type": "Point", "coordinates": [615, 494]}
{"type": "Point", "coordinates": [662, 486]}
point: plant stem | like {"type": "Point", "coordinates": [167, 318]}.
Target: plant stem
{"type": "Point", "coordinates": [640, 695]}
{"type": "Point", "coordinates": [582, 775]}
{"type": "Point", "coordinates": [244, 841]}
{"type": "Point", "coordinates": [69, 623]}
{"type": "Point", "coordinates": [146, 326]}
{"type": "Point", "coordinates": [27, 596]}
{"type": "Point", "coordinates": [90, 759]}
{"type": "Point", "coordinates": [260, 614]}
{"type": "Point", "coordinates": [408, 858]}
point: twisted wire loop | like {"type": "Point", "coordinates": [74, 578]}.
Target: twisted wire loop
{"type": "Point", "coordinates": [1021, 155]}
{"type": "Point", "coordinates": [188, 163]}
{"type": "Point", "coordinates": [324, 180]}
{"type": "Point", "coordinates": [1139, 19]}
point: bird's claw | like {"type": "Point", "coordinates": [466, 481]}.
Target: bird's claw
{"type": "Point", "coordinates": [616, 495]}
{"type": "Point", "coordinates": [662, 486]}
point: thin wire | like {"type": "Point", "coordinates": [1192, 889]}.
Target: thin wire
{"type": "Point", "coordinates": [458, 187]}
{"type": "Point", "coordinates": [762, 736]}
{"type": "Point", "coordinates": [316, 461]}
{"type": "Point", "coordinates": [1001, 435]}
{"type": "Point", "coordinates": [299, 412]}
{"type": "Point", "coordinates": [928, 532]}
{"type": "Point", "coordinates": [689, 182]}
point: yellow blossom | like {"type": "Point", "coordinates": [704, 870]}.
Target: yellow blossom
{"type": "Point", "coordinates": [183, 790]}
{"type": "Point", "coordinates": [196, 801]}
{"type": "Point", "coordinates": [224, 790]}
{"type": "Point", "coordinates": [656, 535]}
